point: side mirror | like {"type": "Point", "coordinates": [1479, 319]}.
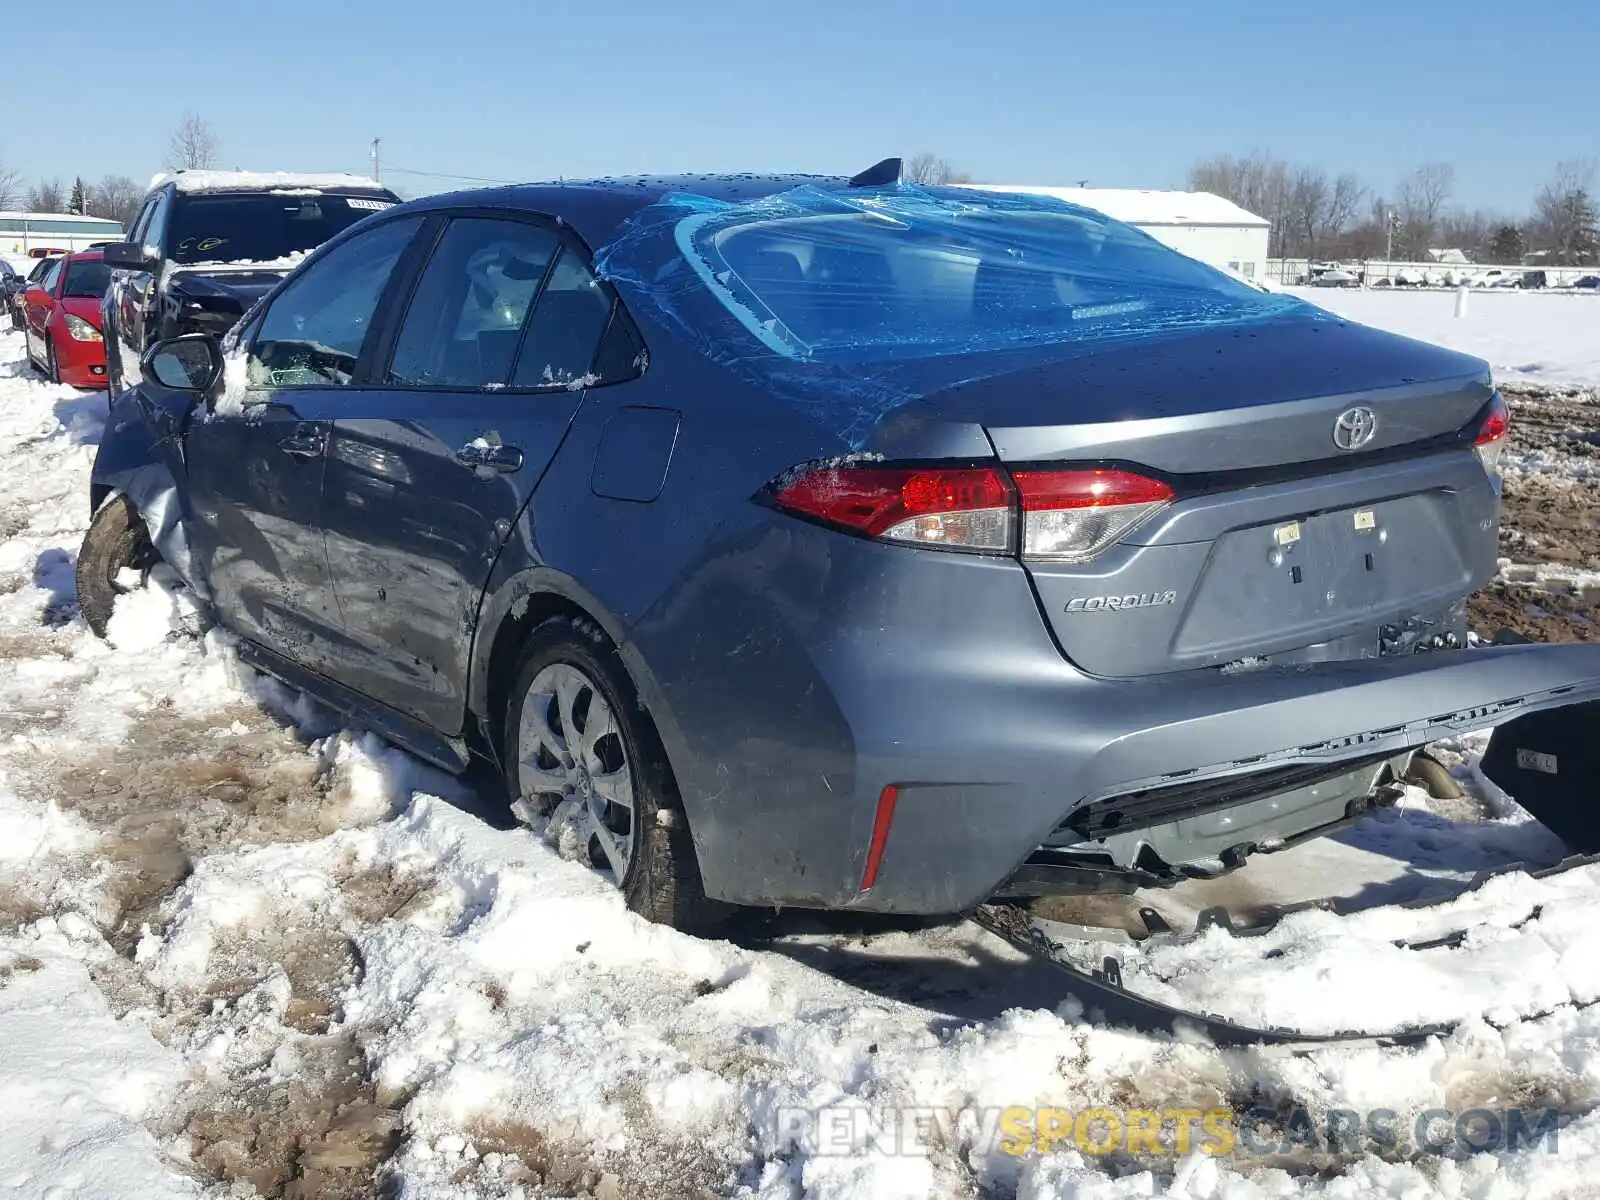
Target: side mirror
{"type": "Point", "coordinates": [191, 362]}
{"type": "Point", "coordinates": [127, 255]}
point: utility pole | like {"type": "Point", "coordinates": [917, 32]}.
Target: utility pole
{"type": "Point", "coordinates": [376, 169]}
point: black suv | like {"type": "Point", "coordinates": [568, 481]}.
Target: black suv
{"type": "Point", "coordinates": [207, 244]}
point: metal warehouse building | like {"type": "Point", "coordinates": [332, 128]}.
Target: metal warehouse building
{"type": "Point", "coordinates": [1201, 225]}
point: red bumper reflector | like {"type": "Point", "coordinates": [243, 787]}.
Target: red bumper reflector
{"type": "Point", "coordinates": [880, 835]}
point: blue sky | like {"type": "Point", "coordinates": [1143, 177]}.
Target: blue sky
{"type": "Point", "coordinates": [1118, 92]}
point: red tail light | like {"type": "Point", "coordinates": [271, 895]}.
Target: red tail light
{"type": "Point", "coordinates": [966, 508]}
{"type": "Point", "coordinates": [1491, 436]}
{"type": "Point", "coordinates": [1073, 515]}
{"type": "Point", "coordinates": [1068, 515]}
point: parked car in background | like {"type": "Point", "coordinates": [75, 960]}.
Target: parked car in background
{"type": "Point", "coordinates": [12, 284]}
{"type": "Point", "coordinates": [1587, 283]}
{"type": "Point", "coordinates": [18, 305]}
{"type": "Point", "coordinates": [62, 316]}
{"type": "Point", "coordinates": [772, 537]}
{"type": "Point", "coordinates": [1335, 277]}
{"type": "Point", "coordinates": [207, 244]}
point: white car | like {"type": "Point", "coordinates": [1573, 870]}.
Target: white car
{"type": "Point", "coordinates": [1335, 277]}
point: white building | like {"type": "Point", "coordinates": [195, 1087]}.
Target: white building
{"type": "Point", "coordinates": [35, 235]}
{"type": "Point", "coordinates": [1201, 225]}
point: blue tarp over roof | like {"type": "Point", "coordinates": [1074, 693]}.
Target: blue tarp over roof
{"type": "Point", "coordinates": [850, 302]}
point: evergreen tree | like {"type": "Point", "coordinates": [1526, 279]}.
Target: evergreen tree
{"type": "Point", "coordinates": [1507, 245]}
{"type": "Point", "coordinates": [1585, 236]}
{"type": "Point", "coordinates": [79, 199]}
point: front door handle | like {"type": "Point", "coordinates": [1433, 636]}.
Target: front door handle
{"type": "Point", "coordinates": [482, 455]}
{"type": "Point", "coordinates": [307, 441]}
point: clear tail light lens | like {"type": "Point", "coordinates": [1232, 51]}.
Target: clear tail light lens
{"type": "Point", "coordinates": [1072, 515]}
{"type": "Point", "coordinates": [1493, 428]}
{"type": "Point", "coordinates": [957, 508]}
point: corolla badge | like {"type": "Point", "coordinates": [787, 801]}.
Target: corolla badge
{"type": "Point", "coordinates": [1121, 603]}
{"type": "Point", "coordinates": [1354, 428]}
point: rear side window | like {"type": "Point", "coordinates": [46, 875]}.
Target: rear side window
{"type": "Point", "coordinates": [312, 334]}
{"type": "Point", "coordinates": [564, 335]}
{"type": "Point", "coordinates": [463, 324]}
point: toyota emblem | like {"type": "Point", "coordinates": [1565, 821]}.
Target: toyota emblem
{"type": "Point", "coordinates": [1354, 428]}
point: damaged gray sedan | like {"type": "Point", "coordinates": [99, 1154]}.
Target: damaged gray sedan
{"type": "Point", "coordinates": [832, 542]}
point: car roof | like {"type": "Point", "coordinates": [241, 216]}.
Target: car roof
{"type": "Point", "coordinates": [595, 207]}
{"type": "Point", "coordinates": [85, 256]}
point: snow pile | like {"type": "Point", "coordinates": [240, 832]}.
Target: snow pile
{"type": "Point", "coordinates": [241, 943]}
{"type": "Point", "coordinates": [76, 1083]}
{"type": "Point", "coordinates": [1532, 339]}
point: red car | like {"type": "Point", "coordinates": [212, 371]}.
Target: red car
{"type": "Point", "coordinates": [62, 320]}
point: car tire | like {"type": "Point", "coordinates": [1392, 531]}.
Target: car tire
{"type": "Point", "coordinates": [568, 666]}
{"type": "Point", "coordinates": [117, 539]}
{"type": "Point", "coordinates": [52, 366]}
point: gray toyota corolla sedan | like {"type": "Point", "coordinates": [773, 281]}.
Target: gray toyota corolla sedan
{"type": "Point", "coordinates": [832, 542]}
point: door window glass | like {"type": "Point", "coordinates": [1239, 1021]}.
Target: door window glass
{"type": "Point", "coordinates": [463, 324]}
{"type": "Point", "coordinates": [564, 335]}
{"type": "Point", "coordinates": [312, 334]}
{"type": "Point", "coordinates": [155, 230]}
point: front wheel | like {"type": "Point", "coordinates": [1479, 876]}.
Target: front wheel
{"type": "Point", "coordinates": [580, 750]}
{"type": "Point", "coordinates": [117, 541]}
{"type": "Point", "coordinates": [52, 366]}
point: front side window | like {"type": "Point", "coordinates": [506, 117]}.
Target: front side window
{"type": "Point", "coordinates": [87, 280]}
{"type": "Point", "coordinates": [261, 227]}
{"type": "Point", "coordinates": [313, 333]}
{"type": "Point", "coordinates": [564, 334]}
{"type": "Point", "coordinates": [155, 228]}
{"type": "Point", "coordinates": [463, 324]}
{"type": "Point", "coordinates": [47, 281]}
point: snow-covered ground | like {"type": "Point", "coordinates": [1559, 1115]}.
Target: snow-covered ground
{"type": "Point", "coordinates": [1533, 339]}
{"type": "Point", "coordinates": [242, 948]}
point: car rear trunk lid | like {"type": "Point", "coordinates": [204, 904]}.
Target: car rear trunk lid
{"type": "Point", "coordinates": [1283, 543]}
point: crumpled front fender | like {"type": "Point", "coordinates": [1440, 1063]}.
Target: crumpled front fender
{"type": "Point", "coordinates": [146, 467]}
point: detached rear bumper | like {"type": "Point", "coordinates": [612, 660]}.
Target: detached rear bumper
{"type": "Point", "coordinates": [816, 670]}
{"type": "Point", "coordinates": [974, 800]}
{"type": "Point", "coordinates": [951, 845]}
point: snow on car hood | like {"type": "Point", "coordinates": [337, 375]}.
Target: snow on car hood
{"type": "Point", "coordinates": [191, 182]}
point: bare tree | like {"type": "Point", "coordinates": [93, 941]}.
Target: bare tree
{"type": "Point", "coordinates": [931, 169]}
{"type": "Point", "coordinates": [1564, 213]}
{"type": "Point", "coordinates": [193, 145]}
{"type": "Point", "coordinates": [1305, 206]}
{"type": "Point", "coordinates": [1309, 194]}
{"type": "Point", "coordinates": [10, 186]}
{"type": "Point", "coordinates": [1257, 182]}
{"type": "Point", "coordinates": [116, 197]}
{"type": "Point", "coordinates": [47, 196]}
{"type": "Point", "coordinates": [1421, 199]}
{"type": "Point", "coordinates": [1344, 199]}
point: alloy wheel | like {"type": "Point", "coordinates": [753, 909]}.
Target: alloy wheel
{"type": "Point", "coordinates": [571, 752]}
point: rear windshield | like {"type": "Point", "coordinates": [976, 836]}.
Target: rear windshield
{"type": "Point", "coordinates": [904, 279]}
{"type": "Point", "coordinates": [87, 280]}
{"type": "Point", "coordinates": [260, 228]}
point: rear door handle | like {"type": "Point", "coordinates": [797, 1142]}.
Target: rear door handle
{"type": "Point", "coordinates": [307, 441]}
{"type": "Point", "coordinates": [482, 455]}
